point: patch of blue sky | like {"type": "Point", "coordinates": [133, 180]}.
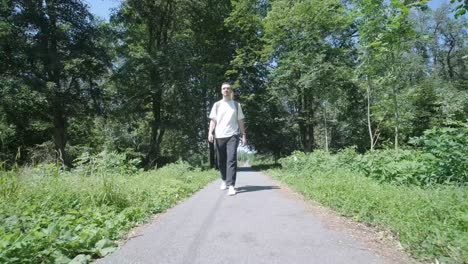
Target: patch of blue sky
{"type": "Point", "coordinates": [103, 8]}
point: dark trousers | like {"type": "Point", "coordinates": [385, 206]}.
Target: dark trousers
{"type": "Point", "coordinates": [227, 158]}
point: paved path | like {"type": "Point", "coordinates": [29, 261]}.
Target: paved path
{"type": "Point", "coordinates": [261, 224]}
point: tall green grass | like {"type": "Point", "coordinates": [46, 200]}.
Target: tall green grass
{"type": "Point", "coordinates": [431, 222]}
{"type": "Point", "coordinates": [49, 215]}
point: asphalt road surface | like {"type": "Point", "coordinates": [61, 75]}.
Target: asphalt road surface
{"type": "Point", "coordinates": [260, 224]}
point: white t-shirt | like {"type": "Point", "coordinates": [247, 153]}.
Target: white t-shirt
{"type": "Point", "coordinates": [226, 118]}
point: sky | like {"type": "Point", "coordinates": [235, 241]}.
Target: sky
{"type": "Point", "coordinates": [102, 8]}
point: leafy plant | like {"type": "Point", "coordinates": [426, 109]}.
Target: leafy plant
{"type": "Point", "coordinates": [61, 216]}
{"type": "Point", "coordinates": [105, 162]}
{"type": "Point", "coordinates": [449, 146]}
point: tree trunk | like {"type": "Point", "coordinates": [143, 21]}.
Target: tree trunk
{"type": "Point", "coordinates": [309, 147]}
{"type": "Point", "coordinates": [307, 136]}
{"type": "Point", "coordinates": [326, 130]}
{"type": "Point", "coordinates": [60, 136]}
{"type": "Point", "coordinates": [449, 63]}
{"type": "Point", "coordinates": [306, 126]}
{"type": "Point", "coordinates": [157, 129]}
{"type": "Point", "coordinates": [397, 116]}
{"type": "Point", "coordinates": [158, 25]}
{"type": "Point", "coordinates": [369, 115]}
{"type": "Point", "coordinates": [53, 69]}
{"type": "Point", "coordinates": [395, 90]}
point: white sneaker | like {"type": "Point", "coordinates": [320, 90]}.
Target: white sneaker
{"type": "Point", "coordinates": [232, 190]}
{"type": "Point", "coordinates": [223, 186]}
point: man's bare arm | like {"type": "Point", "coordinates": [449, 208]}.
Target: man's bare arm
{"type": "Point", "coordinates": [210, 131]}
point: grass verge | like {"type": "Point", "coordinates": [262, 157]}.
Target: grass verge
{"type": "Point", "coordinates": [431, 223]}
{"type": "Point", "coordinates": [52, 216]}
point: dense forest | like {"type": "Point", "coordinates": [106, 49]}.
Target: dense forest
{"type": "Point", "coordinates": [311, 75]}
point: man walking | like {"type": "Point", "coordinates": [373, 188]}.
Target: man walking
{"type": "Point", "coordinates": [227, 123]}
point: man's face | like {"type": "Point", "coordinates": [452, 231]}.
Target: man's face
{"type": "Point", "coordinates": [226, 90]}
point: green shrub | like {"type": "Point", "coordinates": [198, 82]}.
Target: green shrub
{"type": "Point", "coordinates": [318, 160]}
{"type": "Point", "coordinates": [396, 166]}
{"type": "Point", "coordinates": [105, 162]}
{"type": "Point", "coordinates": [444, 162]}
{"type": "Point", "coordinates": [449, 146]}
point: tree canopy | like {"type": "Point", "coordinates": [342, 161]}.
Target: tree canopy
{"type": "Point", "coordinates": [310, 75]}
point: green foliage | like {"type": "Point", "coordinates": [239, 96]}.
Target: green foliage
{"type": "Point", "coordinates": [105, 162]}
{"type": "Point", "coordinates": [9, 184]}
{"type": "Point", "coordinates": [425, 101]}
{"type": "Point", "coordinates": [308, 42]}
{"type": "Point", "coordinates": [441, 159]}
{"type": "Point", "coordinates": [461, 8]}
{"type": "Point", "coordinates": [449, 146]}
{"type": "Point", "coordinates": [400, 167]}
{"type": "Point", "coordinates": [48, 214]}
{"type": "Point", "coordinates": [54, 56]}
{"type": "Point", "coordinates": [453, 102]}
{"type": "Point", "coordinates": [7, 135]}
{"type": "Point", "coordinates": [42, 153]}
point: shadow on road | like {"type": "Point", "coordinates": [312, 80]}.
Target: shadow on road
{"type": "Point", "coordinates": [246, 169]}
{"type": "Point", "coordinates": [266, 167]}
{"type": "Point", "coordinates": [250, 188]}
{"type": "Point", "coordinates": [259, 167]}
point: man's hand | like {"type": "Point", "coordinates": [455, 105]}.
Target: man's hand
{"type": "Point", "coordinates": [210, 138]}
{"type": "Point", "coordinates": [244, 140]}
